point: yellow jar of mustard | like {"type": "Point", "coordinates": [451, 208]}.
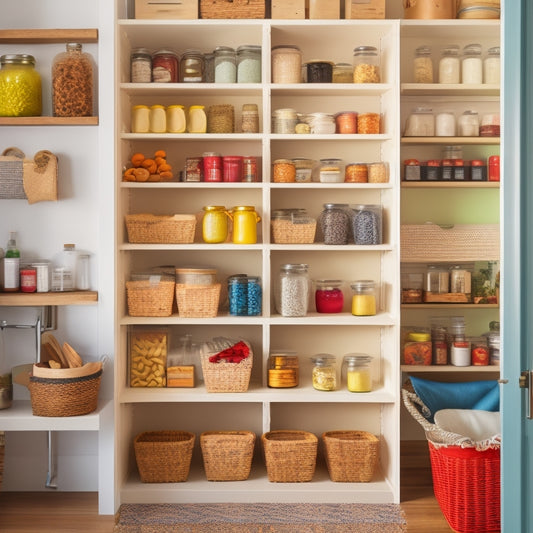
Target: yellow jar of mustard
{"type": "Point", "coordinates": [245, 221]}
{"type": "Point", "coordinates": [215, 224]}
{"type": "Point", "coordinates": [20, 86]}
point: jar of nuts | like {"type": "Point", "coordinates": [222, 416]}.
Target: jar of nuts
{"type": "Point", "coordinates": [72, 83]}
{"type": "Point", "coordinates": [366, 65]}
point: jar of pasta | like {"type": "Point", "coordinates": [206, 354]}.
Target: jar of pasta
{"type": "Point", "coordinates": [324, 372]}
{"type": "Point", "coordinates": [286, 64]}
{"type": "Point", "coordinates": [356, 173]}
{"type": "Point", "coordinates": [20, 86]}
{"type": "Point", "coordinates": [366, 65]}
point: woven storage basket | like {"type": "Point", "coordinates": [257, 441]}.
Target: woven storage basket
{"type": "Point", "coordinates": [290, 456]}
{"type": "Point", "coordinates": [158, 229]}
{"type": "Point", "coordinates": [227, 455]}
{"type": "Point", "coordinates": [164, 456]}
{"type": "Point", "coordinates": [198, 301]}
{"type": "Point", "coordinates": [351, 455]}
{"type": "Point", "coordinates": [150, 299]}
{"type": "Point", "coordinates": [288, 232]}
{"type": "Point", "coordinates": [232, 9]}
{"type": "Point", "coordinates": [227, 377]}
{"type": "Point", "coordinates": [64, 396]}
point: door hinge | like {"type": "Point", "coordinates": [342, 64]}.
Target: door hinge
{"type": "Point", "coordinates": [525, 381]}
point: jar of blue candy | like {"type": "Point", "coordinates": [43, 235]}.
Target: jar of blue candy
{"type": "Point", "coordinates": [244, 295]}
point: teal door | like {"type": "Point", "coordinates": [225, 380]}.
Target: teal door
{"type": "Point", "coordinates": [517, 267]}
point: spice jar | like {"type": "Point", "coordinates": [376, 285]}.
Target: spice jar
{"type": "Point", "coordinates": [284, 171]}
{"type": "Point", "coordinates": [232, 168]}
{"type": "Point", "coordinates": [215, 224]}
{"type": "Point", "coordinates": [245, 221]}
{"type": "Point", "coordinates": [140, 119]}
{"type": "Point", "coordinates": [331, 171]}
{"type": "Point", "coordinates": [286, 64]}
{"type": "Point", "coordinates": [368, 123]}
{"type": "Point", "coordinates": [212, 163]}
{"type": "Point", "coordinates": [420, 123]}
{"type": "Point", "coordinates": [450, 65]}
{"type": "Point", "coordinates": [417, 348]}
{"type": "Point", "coordinates": [356, 173]}
{"type": "Point", "coordinates": [250, 118]}
{"type": "Point", "coordinates": [249, 64]}
{"type": "Point", "coordinates": [342, 73]}
{"type": "Point", "coordinates": [422, 65]}
{"type": "Point", "coordinates": [319, 71]}
{"type": "Point", "coordinates": [367, 224]}
{"type": "Point", "coordinates": [284, 121]}
{"type": "Point", "coordinates": [366, 65]}
{"type": "Point", "coordinates": [292, 294]}
{"type": "Point", "coordinates": [491, 66]}
{"type": "Point", "coordinates": [225, 65]}
{"type": "Point", "coordinates": [472, 65]}
{"type": "Point", "coordinates": [165, 67]}
{"type": "Point", "coordinates": [283, 370]}
{"type": "Point", "coordinates": [346, 122]}
{"type": "Point", "coordinates": [356, 368]}
{"type": "Point", "coordinates": [324, 373]}
{"type": "Point", "coordinates": [363, 298]}
{"type": "Point", "coordinates": [334, 223]}
{"type": "Point", "coordinates": [192, 66]}
{"type": "Point", "coordinates": [176, 121]}
{"type": "Point", "coordinates": [468, 124]}
{"type": "Point", "coordinates": [158, 119]}
{"type": "Point", "coordinates": [20, 86]}
{"type": "Point", "coordinates": [140, 66]}
{"type": "Point", "coordinates": [445, 124]}
{"type": "Point", "coordinates": [329, 297]}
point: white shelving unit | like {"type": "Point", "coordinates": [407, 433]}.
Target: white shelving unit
{"type": "Point", "coordinates": [262, 409]}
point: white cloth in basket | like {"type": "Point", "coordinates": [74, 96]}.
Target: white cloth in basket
{"type": "Point", "coordinates": [477, 425]}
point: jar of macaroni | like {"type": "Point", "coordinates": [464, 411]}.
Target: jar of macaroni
{"type": "Point", "coordinates": [20, 86]}
{"type": "Point", "coordinates": [363, 298]}
{"type": "Point", "coordinates": [356, 370]}
{"type": "Point", "coordinates": [450, 65]}
{"type": "Point", "coordinates": [283, 370]}
{"type": "Point", "coordinates": [366, 65]}
{"type": "Point", "coordinates": [423, 65]}
{"type": "Point", "coordinates": [286, 64]}
{"type": "Point", "coordinates": [324, 373]}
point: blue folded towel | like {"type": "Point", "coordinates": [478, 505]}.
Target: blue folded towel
{"type": "Point", "coordinates": [436, 395]}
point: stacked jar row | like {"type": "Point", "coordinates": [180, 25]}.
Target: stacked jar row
{"type": "Point", "coordinates": [453, 169]}
{"type": "Point", "coordinates": [214, 167]}
{"type": "Point", "coordinates": [223, 65]}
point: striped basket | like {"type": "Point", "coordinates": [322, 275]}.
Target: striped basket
{"type": "Point", "coordinates": [159, 229]}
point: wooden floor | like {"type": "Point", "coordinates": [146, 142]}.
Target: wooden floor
{"type": "Point", "coordinates": [72, 512]}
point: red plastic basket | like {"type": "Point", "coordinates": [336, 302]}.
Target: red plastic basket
{"type": "Point", "coordinates": [467, 487]}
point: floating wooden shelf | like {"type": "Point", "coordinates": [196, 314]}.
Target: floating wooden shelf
{"type": "Point", "coordinates": [40, 299]}
{"type": "Point", "coordinates": [44, 36]}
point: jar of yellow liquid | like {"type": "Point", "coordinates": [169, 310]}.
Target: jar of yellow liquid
{"type": "Point", "coordinates": [356, 368]}
{"type": "Point", "coordinates": [215, 224]}
{"type": "Point", "coordinates": [245, 221]}
{"type": "Point", "coordinates": [363, 298]}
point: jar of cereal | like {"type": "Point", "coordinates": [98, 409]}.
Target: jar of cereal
{"type": "Point", "coordinates": [366, 65]}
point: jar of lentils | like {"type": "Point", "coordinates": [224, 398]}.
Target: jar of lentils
{"type": "Point", "coordinates": [334, 223]}
{"type": "Point", "coordinates": [284, 171]}
{"type": "Point", "coordinates": [20, 86]}
{"type": "Point", "coordinates": [141, 66]}
{"type": "Point", "coordinates": [366, 65]}
{"type": "Point", "coordinates": [286, 64]}
{"type": "Point", "coordinates": [249, 64]}
{"type": "Point", "coordinates": [292, 295]}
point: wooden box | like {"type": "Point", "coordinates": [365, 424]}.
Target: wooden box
{"type": "Point", "coordinates": [288, 9]}
{"type": "Point", "coordinates": [324, 9]}
{"type": "Point", "coordinates": [168, 9]}
{"type": "Point", "coordinates": [232, 9]}
{"type": "Point", "coordinates": [364, 9]}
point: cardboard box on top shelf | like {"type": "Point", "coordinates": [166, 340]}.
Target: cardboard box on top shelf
{"type": "Point", "coordinates": [169, 9]}
{"type": "Point", "coordinates": [324, 9]}
{"type": "Point", "coordinates": [364, 9]}
{"type": "Point", "coordinates": [288, 9]}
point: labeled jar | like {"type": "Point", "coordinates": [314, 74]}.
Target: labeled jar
{"type": "Point", "coordinates": [215, 224]}
{"type": "Point", "coordinates": [212, 163]}
{"type": "Point", "coordinates": [304, 169]}
{"type": "Point", "coordinates": [286, 64]}
{"type": "Point", "coordinates": [292, 294]}
{"type": "Point", "coordinates": [193, 169]}
{"type": "Point", "coordinates": [445, 124]}
{"type": "Point", "coordinates": [329, 297]}
{"type": "Point", "coordinates": [334, 223]}
{"type": "Point", "coordinates": [249, 64]}
{"type": "Point", "coordinates": [28, 279]}
{"type": "Point", "coordinates": [491, 66]}
{"type": "Point", "coordinates": [20, 86]}
{"type": "Point", "coordinates": [165, 67]}
{"type": "Point", "coordinates": [367, 224]}
{"type": "Point", "coordinates": [192, 66]}
{"type": "Point", "coordinates": [331, 171]}
{"type": "Point", "coordinates": [250, 118]}
{"type": "Point", "coordinates": [197, 121]}
{"type": "Point", "coordinates": [479, 351]}
{"type": "Point", "coordinates": [225, 65]}
{"type": "Point", "coordinates": [420, 123]}
{"type": "Point", "coordinates": [423, 65]}
{"type": "Point", "coordinates": [176, 120]}
{"type": "Point", "coordinates": [232, 168]}
{"type": "Point", "coordinates": [284, 121]}
{"type": "Point", "coordinates": [356, 173]}
{"type": "Point", "coordinates": [450, 65]}
{"type": "Point", "coordinates": [283, 370]}
{"type": "Point", "coordinates": [140, 66]}
{"type": "Point", "coordinates": [472, 65]}
{"type": "Point", "coordinates": [363, 298]}
{"type": "Point", "coordinates": [245, 220]}
{"type": "Point", "coordinates": [346, 122]}
{"type": "Point", "coordinates": [478, 170]}
{"type": "Point", "coordinates": [158, 119]}
{"type": "Point", "coordinates": [72, 83]}
{"type": "Point", "coordinates": [356, 368]}
{"type": "Point", "coordinates": [342, 73]}
{"type": "Point", "coordinates": [324, 373]}
{"type": "Point", "coordinates": [319, 71]}
{"type": "Point", "coordinates": [284, 171]}
{"type": "Point", "coordinates": [366, 65]}
{"type": "Point", "coordinates": [140, 119]}
{"type": "Point", "coordinates": [368, 123]}
{"type": "Point", "coordinates": [468, 124]}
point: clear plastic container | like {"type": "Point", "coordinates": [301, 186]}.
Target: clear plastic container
{"type": "Point", "coordinates": [357, 372]}
{"type": "Point", "coordinates": [423, 65]}
{"type": "Point", "coordinates": [445, 124]}
{"type": "Point", "coordinates": [364, 298]}
{"type": "Point", "coordinates": [342, 73]}
{"type": "Point", "coordinates": [450, 65]}
{"type": "Point", "coordinates": [321, 123]}
{"type": "Point", "coordinates": [420, 123]}
{"type": "Point", "coordinates": [366, 65]}
{"type": "Point", "coordinates": [331, 171]}
{"type": "Point", "coordinates": [244, 295]}
{"type": "Point", "coordinates": [324, 373]}
{"type": "Point", "coordinates": [468, 124]}
{"type": "Point", "coordinates": [64, 273]}
{"type": "Point", "coordinates": [437, 280]}
{"type": "Point", "coordinates": [304, 169]}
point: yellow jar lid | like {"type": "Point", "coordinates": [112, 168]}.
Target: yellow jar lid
{"type": "Point", "coordinates": [197, 107]}
{"type": "Point", "coordinates": [419, 337]}
{"type": "Point", "coordinates": [140, 107]}
{"type": "Point", "coordinates": [174, 106]}
{"type": "Point", "coordinates": [214, 208]}
{"type": "Point", "coordinates": [157, 106]}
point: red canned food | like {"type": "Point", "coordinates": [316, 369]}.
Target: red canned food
{"type": "Point", "coordinates": [28, 280]}
{"type": "Point", "coordinates": [165, 67]}
{"type": "Point", "coordinates": [494, 168]}
{"type": "Point", "coordinates": [232, 168]}
{"type": "Point", "coordinates": [212, 166]}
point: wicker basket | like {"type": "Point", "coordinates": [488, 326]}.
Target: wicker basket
{"type": "Point", "coordinates": [155, 229]}
{"type": "Point", "coordinates": [351, 456]}
{"type": "Point", "coordinates": [287, 232]}
{"type": "Point", "coordinates": [150, 299]}
{"type": "Point", "coordinates": [164, 456]}
{"type": "Point", "coordinates": [64, 396]}
{"type": "Point", "coordinates": [290, 456]}
{"type": "Point", "coordinates": [232, 9]}
{"type": "Point", "coordinates": [198, 301]}
{"type": "Point", "coordinates": [227, 377]}
{"type": "Point", "coordinates": [227, 455]}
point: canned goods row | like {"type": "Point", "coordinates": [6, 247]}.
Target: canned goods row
{"type": "Point", "coordinates": [452, 170]}
{"type": "Point", "coordinates": [214, 167]}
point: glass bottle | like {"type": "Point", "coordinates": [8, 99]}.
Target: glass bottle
{"type": "Point", "coordinates": [334, 223]}
{"type": "Point", "coordinates": [363, 298]}
{"type": "Point", "coordinates": [249, 64]}
{"type": "Point", "coordinates": [491, 66]}
{"type": "Point", "coordinates": [215, 224]}
{"type": "Point", "coordinates": [245, 220]}
{"type": "Point", "coordinates": [140, 66]}
{"type": "Point", "coordinates": [450, 65]}
{"type": "Point", "coordinates": [82, 272]}
{"type": "Point", "coordinates": [437, 280]}
{"type": "Point", "coordinates": [329, 297]}
{"type": "Point", "coordinates": [342, 73]}
{"type": "Point", "coordinates": [12, 264]}
{"type": "Point", "coordinates": [356, 369]}
{"type": "Point", "coordinates": [472, 65]}
{"type": "Point", "coordinates": [6, 383]}
{"type": "Point", "coordinates": [366, 65]}
{"type": "Point", "coordinates": [324, 373]}
{"type": "Point", "coordinates": [283, 370]}
{"type": "Point", "coordinates": [20, 86]}
{"type": "Point", "coordinates": [423, 65]}
{"type": "Point", "coordinates": [292, 294]}
{"type": "Point", "coordinates": [64, 273]}
{"type": "Point", "coordinates": [225, 65]}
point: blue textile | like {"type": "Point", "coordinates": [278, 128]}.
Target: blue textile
{"type": "Point", "coordinates": [484, 395]}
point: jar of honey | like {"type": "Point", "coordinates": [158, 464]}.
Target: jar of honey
{"type": "Point", "coordinates": [215, 224]}
{"type": "Point", "coordinates": [20, 86]}
{"type": "Point", "coordinates": [283, 370]}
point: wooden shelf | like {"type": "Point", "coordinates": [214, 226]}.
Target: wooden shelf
{"type": "Point", "coordinates": [39, 299]}
{"type": "Point", "coordinates": [450, 184]}
{"type": "Point", "coordinates": [48, 121]}
{"type": "Point", "coordinates": [451, 140]}
{"type": "Point", "coordinates": [452, 89]}
{"type": "Point", "coordinates": [45, 36]}
{"type": "Point", "coordinates": [411, 369]}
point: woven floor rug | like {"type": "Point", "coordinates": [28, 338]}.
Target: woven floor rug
{"type": "Point", "coordinates": [260, 518]}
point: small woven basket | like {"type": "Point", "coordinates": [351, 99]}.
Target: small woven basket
{"type": "Point", "coordinates": [288, 232]}
{"type": "Point", "coordinates": [351, 456]}
{"type": "Point", "coordinates": [150, 299]}
{"type": "Point", "coordinates": [160, 229]}
{"type": "Point", "coordinates": [64, 396]}
{"type": "Point", "coordinates": [290, 456]}
{"type": "Point", "coordinates": [198, 301]}
{"type": "Point", "coordinates": [227, 377]}
{"type": "Point", "coordinates": [227, 455]}
{"type": "Point", "coordinates": [164, 456]}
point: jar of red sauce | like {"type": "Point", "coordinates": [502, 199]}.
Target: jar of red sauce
{"type": "Point", "coordinates": [232, 168]}
{"type": "Point", "coordinates": [28, 279]}
{"type": "Point", "coordinates": [329, 297]}
{"type": "Point", "coordinates": [494, 168]}
{"type": "Point", "coordinates": [480, 351]}
{"type": "Point", "coordinates": [165, 67]}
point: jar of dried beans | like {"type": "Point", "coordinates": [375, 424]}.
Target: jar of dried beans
{"type": "Point", "coordinates": [72, 83]}
{"type": "Point", "coordinates": [334, 223]}
{"type": "Point", "coordinates": [368, 123]}
{"type": "Point", "coordinates": [366, 65]}
{"type": "Point", "coordinates": [292, 294]}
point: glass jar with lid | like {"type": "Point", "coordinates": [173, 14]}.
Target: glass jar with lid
{"type": "Point", "coordinates": [225, 65]}
{"type": "Point", "coordinates": [491, 66]}
{"type": "Point", "coordinates": [420, 123]}
{"type": "Point", "coordinates": [165, 67]}
{"type": "Point", "coordinates": [304, 169]}
{"type": "Point", "coordinates": [329, 297]}
{"type": "Point", "coordinates": [249, 63]}
{"type": "Point", "coordinates": [292, 294]}
{"type": "Point", "coordinates": [445, 124]}
{"type": "Point", "coordinates": [20, 86]}
{"type": "Point", "coordinates": [342, 73]}
{"type": "Point", "coordinates": [423, 65]}
{"type": "Point", "coordinates": [366, 65]}
{"type": "Point", "coordinates": [367, 224]}
{"type": "Point", "coordinates": [364, 298]}
{"type": "Point", "coordinates": [357, 372]}
{"type": "Point", "coordinates": [437, 280]}
{"type": "Point", "coordinates": [324, 372]}
{"type": "Point", "coordinates": [468, 124]}
{"type": "Point", "coordinates": [472, 65]}
{"type": "Point", "coordinates": [192, 66]}
{"type": "Point", "coordinates": [284, 121]}
{"type": "Point", "coordinates": [140, 65]}
{"type": "Point", "coordinates": [250, 118]}
{"type": "Point", "coordinates": [284, 171]}
{"type": "Point", "coordinates": [215, 224]}
{"type": "Point", "coordinates": [209, 67]}
{"type": "Point", "coordinates": [335, 223]}
{"type": "Point", "coordinates": [461, 281]}
{"type": "Point", "coordinates": [450, 65]}
{"type": "Point", "coordinates": [286, 64]}
{"type": "Point", "coordinates": [283, 369]}
{"type": "Point", "coordinates": [319, 71]}
{"type": "Point", "coordinates": [238, 295]}
{"type": "Point", "coordinates": [331, 170]}
{"type": "Point", "coordinates": [321, 123]}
